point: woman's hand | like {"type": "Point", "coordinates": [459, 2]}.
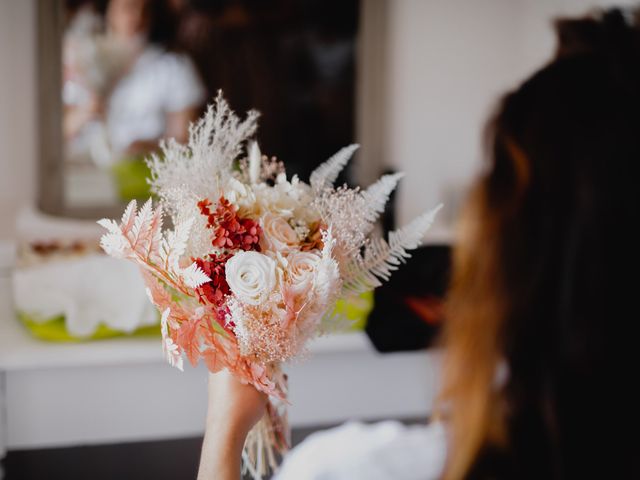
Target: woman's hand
{"type": "Point", "coordinates": [233, 410]}
{"type": "Point", "coordinates": [77, 116]}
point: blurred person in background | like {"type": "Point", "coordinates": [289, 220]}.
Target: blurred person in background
{"type": "Point", "coordinates": [124, 86]}
{"type": "Point", "coordinates": [538, 346]}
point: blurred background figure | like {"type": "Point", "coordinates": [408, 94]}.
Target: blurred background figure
{"type": "Point", "coordinates": [124, 77]}
{"type": "Point", "coordinates": [125, 84]}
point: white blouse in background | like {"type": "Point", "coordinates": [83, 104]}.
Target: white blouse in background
{"type": "Point", "coordinates": [159, 82]}
{"type": "Point", "coordinates": [382, 451]}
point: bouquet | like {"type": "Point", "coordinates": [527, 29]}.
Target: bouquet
{"type": "Point", "coordinates": [255, 262]}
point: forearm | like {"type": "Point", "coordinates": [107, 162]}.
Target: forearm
{"type": "Point", "coordinates": [74, 119]}
{"type": "Point", "coordinates": [233, 410]}
{"type": "Point", "coordinates": [221, 452]}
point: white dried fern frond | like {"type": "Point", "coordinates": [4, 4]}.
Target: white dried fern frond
{"type": "Point", "coordinates": [193, 276]}
{"type": "Point", "coordinates": [155, 239]}
{"type": "Point", "coordinates": [174, 244]}
{"type": "Point", "coordinates": [114, 243]}
{"type": "Point", "coordinates": [128, 217]}
{"type": "Point", "coordinates": [141, 230]}
{"type": "Point", "coordinates": [326, 174]}
{"type": "Point", "coordinates": [139, 237]}
{"type": "Point", "coordinates": [136, 234]}
{"type": "Point", "coordinates": [110, 225]}
{"type": "Point", "coordinates": [410, 236]}
{"type": "Point", "coordinates": [377, 195]}
{"type": "Point", "coordinates": [380, 258]}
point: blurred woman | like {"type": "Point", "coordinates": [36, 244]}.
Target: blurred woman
{"type": "Point", "coordinates": [538, 327]}
{"type": "Point", "coordinates": [142, 91]}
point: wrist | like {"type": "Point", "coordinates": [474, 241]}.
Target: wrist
{"type": "Point", "coordinates": [221, 450]}
{"type": "Point", "coordinates": [228, 424]}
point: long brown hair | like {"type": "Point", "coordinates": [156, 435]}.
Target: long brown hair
{"type": "Point", "coordinates": [540, 287]}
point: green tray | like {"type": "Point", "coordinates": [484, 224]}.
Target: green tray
{"type": "Point", "coordinates": [355, 309]}
{"type": "Point", "coordinates": [55, 330]}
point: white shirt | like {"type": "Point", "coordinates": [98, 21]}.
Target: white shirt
{"type": "Point", "coordinates": [159, 82]}
{"type": "Point", "coordinates": [383, 451]}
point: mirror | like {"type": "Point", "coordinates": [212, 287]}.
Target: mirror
{"type": "Point", "coordinates": [134, 72]}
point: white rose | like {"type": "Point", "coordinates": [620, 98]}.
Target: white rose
{"type": "Point", "coordinates": [277, 234]}
{"type": "Point", "coordinates": [302, 267]}
{"type": "Point", "coordinates": [251, 276]}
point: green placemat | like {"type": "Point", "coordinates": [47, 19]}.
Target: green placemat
{"type": "Point", "coordinates": [55, 330]}
{"type": "Point", "coordinates": [355, 309]}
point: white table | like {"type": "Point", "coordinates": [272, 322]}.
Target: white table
{"type": "Point", "coordinates": [121, 390]}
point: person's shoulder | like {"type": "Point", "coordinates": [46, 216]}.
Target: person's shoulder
{"type": "Point", "coordinates": [379, 451]}
{"type": "Point", "coordinates": [175, 75]}
{"type": "Point", "coordinates": [162, 58]}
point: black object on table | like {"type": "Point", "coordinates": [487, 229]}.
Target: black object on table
{"type": "Point", "coordinates": [407, 312]}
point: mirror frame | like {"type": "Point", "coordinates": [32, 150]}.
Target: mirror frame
{"type": "Point", "coordinates": [50, 178]}
{"type": "Point", "coordinates": [371, 64]}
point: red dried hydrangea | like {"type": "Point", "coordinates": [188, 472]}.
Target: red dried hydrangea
{"type": "Point", "coordinates": [214, 267]}
{"type": "Point", "coordinates": [230, 230]}
{"type": "Point", "coordinates": [213, 292]}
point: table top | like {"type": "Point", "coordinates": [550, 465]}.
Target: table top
{"type": "Point", "coordinates": [19, 350]}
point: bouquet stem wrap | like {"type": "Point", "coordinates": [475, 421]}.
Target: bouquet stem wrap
{"type": "Point", "coordinates": [269, 439]}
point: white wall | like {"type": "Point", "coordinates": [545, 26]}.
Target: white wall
{"type": "Point", "coordinates": [18, 138]}
{"type": "Point", "coordinates": [537, 35]}
{"type": "Point", "coordinates": [449, 61]}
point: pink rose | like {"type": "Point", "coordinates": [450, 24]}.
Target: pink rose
{"type": "Point", "coordinates": [302, 267]}
{"type": "Point", "coordinates": [277, 234]}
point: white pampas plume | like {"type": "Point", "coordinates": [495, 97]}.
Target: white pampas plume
{"type": "Point", "coordinates": [184, 174]}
